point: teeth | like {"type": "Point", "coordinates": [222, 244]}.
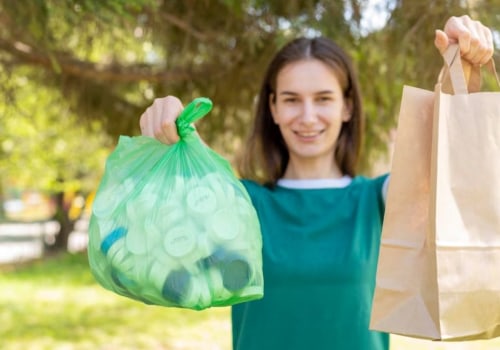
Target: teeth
{"type": "Point", "coordinates": [308, 134]}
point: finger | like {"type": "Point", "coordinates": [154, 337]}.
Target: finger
{"type": "Point", "coordinates": [464, 41]}
{"type": "Point", "coordinates": [481, 45]}
{"type": "Point", "coordinates": [441, 41]}
{"type": "Point", "coordinates": [476, 46]}
{"type": "Point", "coordinates": [456, 28]}
{"type": "Point", "coordinates": [146, 124]}
{"type": "Point", "coordinates": [172, 108]}
{"type": "Point", "coordinates": [158, 119]}
{"type": "Point", "coordinates": [169, 131]}
{"type": "Point", "coordinates": [489, 47]}
{"type": "Point", "coordinates": [166, 110]}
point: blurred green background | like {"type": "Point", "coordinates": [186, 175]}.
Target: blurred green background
{"type": "Point", "coordinates": [76, 74]}
{"type": "Point", "coordinates": [54, 304]}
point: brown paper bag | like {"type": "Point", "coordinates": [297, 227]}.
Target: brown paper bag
{"type": "Point", "coordinates": [438, 274]}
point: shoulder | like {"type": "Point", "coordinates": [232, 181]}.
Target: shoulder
{"type": "Point", "coordinates": [376, 184]}
{"type": "Point", "coordinates": [254, 188]}
{"type": "Point", "coordinates": [371, 181]}
{"type": "Point", "coordinates": [257, 192]}
{"type": "Point", "coordinates": [250, 184]}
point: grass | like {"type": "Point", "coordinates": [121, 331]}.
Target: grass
{"type": "Point", "coordinates": [55, 304]}
{"type": "Point", "coordinates": [404, 343]}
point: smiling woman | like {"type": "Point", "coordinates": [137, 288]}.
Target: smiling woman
{"type": "Point", "coordinates": [309, 109]}
{"type": "Point", "coordinates": [311, 84]}
{"type": "Point", "coordinates": [321, 222]}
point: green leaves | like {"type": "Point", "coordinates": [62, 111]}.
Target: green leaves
{"type": "Point", "coordinates": [44, 145]}
{"type": "Point", "coordinates": [109, 59]}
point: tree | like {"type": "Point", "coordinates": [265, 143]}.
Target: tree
{"type": "Point", "coordinates": [110, 59]}
{"type": "Point", "coordinates": [45, 147]}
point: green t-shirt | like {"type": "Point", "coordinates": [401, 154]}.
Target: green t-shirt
{"type": "Point", "coordinates": [320, 250]}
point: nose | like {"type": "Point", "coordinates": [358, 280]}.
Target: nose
{"type": "Point", "coordinates": [308, 112]}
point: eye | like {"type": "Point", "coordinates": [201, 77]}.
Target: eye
{"type": "Point", "coordinates": [290, 100]}
{"type": "Point", "coordinates": [325, 98]}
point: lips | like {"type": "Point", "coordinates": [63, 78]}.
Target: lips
{"type": "Point", "coordinates": [308, 134]}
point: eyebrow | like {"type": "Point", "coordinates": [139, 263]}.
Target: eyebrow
{"type": "Point", "coordinates": [322, 92]}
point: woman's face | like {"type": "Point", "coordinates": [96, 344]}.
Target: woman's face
{"type": "Point", "coordinates": [309, 108]}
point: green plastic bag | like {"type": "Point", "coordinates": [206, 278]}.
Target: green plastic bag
{"type": "Point", "coordinates": [171, 225]}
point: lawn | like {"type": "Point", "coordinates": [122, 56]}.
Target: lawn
{"type": "Point", "coordinates": [56, 305]}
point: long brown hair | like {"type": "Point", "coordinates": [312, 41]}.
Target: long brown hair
{"type": "Point", "coordinates": [266, 156]}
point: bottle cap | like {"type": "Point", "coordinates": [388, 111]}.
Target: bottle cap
{"type": "Point", "coordinates": [123, 281]}
{"type": "Point", "coordinates": [221, 186]}
{"type": "Point", "coordinates": [179, 241]}
{"type": "Point", "coordinates": [170, 214]}
{"type": "Point", "coordinates": [110, 196]}
{"type": "Point", "coordinates": [140, 207]}
{"type": "Point", "coordinates": [106, 226]}
{"type": "Point", "coordinates": [152, 234]}
{"type": "Point", "coordinates": [224, 225]}
{"type": "Point", "coordinates": [176, 287]}
{"type": "Point", "coordinates": [158, 274]}
{"type": "Point", "coordinates": [244, 206]}
{"type": "Point", "coordinates": [234, 268]}
{"type": "Point", "coordinates": [219, 293]}
{"type": "Point", "coordinates": [141, 269]}
{"type": "Point", "coordinates": [235, 271]}
{"type": "Point", "coordinates": [205, 245]}
{"type": "Point", "coordinates": [102, 206]}
{"type": "Point", "coordinates": [160, 256]}
{"type": "Point", "coordinates": [150, 295]}
{"type": "Point", "coordinates": [119, 257]}
{"type": "Point", "coordinates": [116, 234]}
{"type": "Point", "coordinates": [201, 200]}
{"type": "Point", "coordinates": [136, 240]}
{"type": "Point", "coordinates": [205, 297]}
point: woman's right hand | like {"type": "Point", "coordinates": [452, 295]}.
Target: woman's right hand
{"type": "Point", "coordinates": [158, 121]}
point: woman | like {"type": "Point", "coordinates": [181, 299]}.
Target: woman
{"type": "Point", "coordinates": [320, 222]}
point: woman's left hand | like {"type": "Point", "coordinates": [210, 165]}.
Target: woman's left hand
{"type": "Point", "coordinates": [475, 39]}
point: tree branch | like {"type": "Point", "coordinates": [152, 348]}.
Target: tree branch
{"type": "Point", "coordinates": [71, 66]}
{"type": "Point", "coordinates": [184, 26]}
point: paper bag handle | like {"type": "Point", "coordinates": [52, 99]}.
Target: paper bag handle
{"type": "Point", "coordinates": [454, 69]}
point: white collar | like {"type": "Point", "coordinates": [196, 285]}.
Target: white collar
{"type": "Point", "coordinates": [315, 183]}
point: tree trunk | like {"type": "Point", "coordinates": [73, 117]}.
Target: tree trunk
{"type": "Point", "coordinates": [2, 200]}
{"type": "Point", "coordinates": [65, 223]}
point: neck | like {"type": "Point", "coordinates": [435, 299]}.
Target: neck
{"type": "Point", "coordinates": [312, 170]}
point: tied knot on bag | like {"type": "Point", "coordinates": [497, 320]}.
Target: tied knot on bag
{"type": "Point", "coordinates": [195, 110]}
